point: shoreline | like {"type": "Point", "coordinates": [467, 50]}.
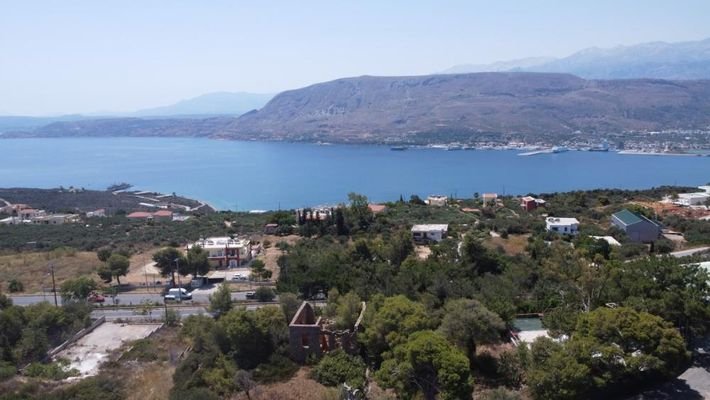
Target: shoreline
{"type": "Point", "coordinates": [516, 146]}
{"type": "Point", "coordinates": [656, 153]}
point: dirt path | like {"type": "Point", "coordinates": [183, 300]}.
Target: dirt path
{"type": "Point", "coordinates": [142, 269]}
{"type": "Point", "coordinates": [271, 255]}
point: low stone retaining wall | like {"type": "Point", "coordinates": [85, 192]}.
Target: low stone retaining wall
{"type": "Point", "coordinates": [76, 337]}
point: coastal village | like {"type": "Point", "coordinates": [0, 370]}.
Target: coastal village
{"type": "Point", "coordinates": [246, 257]}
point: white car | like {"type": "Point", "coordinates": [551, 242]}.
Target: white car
{"type": "Point", "coordinates": [178, 293]}
{"type": "Point", "coordinates": [239, 277]}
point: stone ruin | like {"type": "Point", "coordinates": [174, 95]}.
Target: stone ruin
{"type": "Point", "coordinates": [311, 335]}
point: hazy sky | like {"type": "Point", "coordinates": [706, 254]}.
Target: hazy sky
{"type": "Point", "coordinates": [88, 56]}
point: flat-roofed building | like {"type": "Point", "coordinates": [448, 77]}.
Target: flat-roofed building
{"type": "Point", "coordinates": [567, 226]}
{"type": "Point", "coordinates": [437, 200]}
{"type": "Point", "coordinates": [529, 203]}
{"type": "Point", "coordinates": [225, 251]}
{"type": "Point", "coordinates": [425, 233]}
{"type": "Point", "coordinates": [692, 199]}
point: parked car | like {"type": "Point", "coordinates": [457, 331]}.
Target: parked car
{"type": "Point", "coordinates": [239, 277]}
{"type": "Point", "coordinates": [251, 295]}
{"type": "Point", "coordinates": [178, 294]}
{"type": "Point", "coordinates": [95, 298]}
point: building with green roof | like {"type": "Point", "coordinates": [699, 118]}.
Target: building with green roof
{"type": "Point", "coordinates": [636, 226]}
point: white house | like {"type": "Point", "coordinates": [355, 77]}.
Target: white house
{"type": "Point", "coordinates": [437, 200]}
{"type": "Point", "coordinates": [429, 232]}
{"type": "Point", "coordinates": [225, 251]}
{"type": "Point", "coordinates": [692, 199]}
{"type": "Point", "coordinates": [568, 226]}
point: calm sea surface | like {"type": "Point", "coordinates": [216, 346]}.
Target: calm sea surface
{"type": "Point", "coordinates": [259, 175]}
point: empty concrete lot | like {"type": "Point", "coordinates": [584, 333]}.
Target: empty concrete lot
{"type": "Point", "coordinates": [87, 354]}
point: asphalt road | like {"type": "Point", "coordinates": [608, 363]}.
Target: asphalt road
{"type": "Point", "coordinates": [126, 299]}
{"type": "Point", "coordinates": [158, 312]}
{"type": "Point", "coordinates": [689, 252]}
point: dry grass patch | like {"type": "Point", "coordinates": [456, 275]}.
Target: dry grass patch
{"type": "Point", "coordinates": [139, 273]}
{"type": "Point", "coordinates": [31, 268]}
{"type": "Point", "coordinates": [513, 245]}
{"type": "Point", "coordinates": [151, 380]}
{"type": "Point", "coordinates": [297, 388]}
{"type": "Point", "coordinates": [422, 252]}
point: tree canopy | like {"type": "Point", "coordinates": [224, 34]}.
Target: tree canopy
{"type": "Point", "coordinates": [428, 364]}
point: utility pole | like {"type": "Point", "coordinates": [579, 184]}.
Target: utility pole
{"type": "Point", "coordinates": [54, 285]}
{"type": "Point", "coordinates": [177, 268]}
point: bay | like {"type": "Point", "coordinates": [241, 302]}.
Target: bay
{"type": "Point", "coordinates": [271, 175]}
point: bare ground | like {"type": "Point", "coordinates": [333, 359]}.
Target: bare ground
{"type": "Point", "coordinates": [31, 268]}
{"type": "Point", "coordinates": [513, 245]}
{"type": "Point", "coordinates": [142, 268]}
{"type": "Point", "coordinates": [422, 252]}
{"type": "Point", "coordinates": [297, 388]}
{"type": "Point", "coordinates": [271, 255]}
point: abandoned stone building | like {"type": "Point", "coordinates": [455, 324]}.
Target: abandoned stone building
{"type": "Point", "coordinates": [311, 335]}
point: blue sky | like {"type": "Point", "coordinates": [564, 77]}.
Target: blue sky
{"type": "Point", "coordinates": [88, 56]}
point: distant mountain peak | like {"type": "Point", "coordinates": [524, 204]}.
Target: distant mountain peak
{"type": "Point", "coordinates": [657, 60]}
{"type": "Point", "coordinates": [216, 103]}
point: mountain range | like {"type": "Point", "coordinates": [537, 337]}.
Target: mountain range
{"type": "Point", "coordinates": [647, 87]}
{"type": "Point", "coordinates": [218, 103]}
{"type": "Point", "coordinates": [656, 60]}
{"type": "Point", "coordinates": [441, 107]}
{"type": "Point", "coordinates": [207, 105]}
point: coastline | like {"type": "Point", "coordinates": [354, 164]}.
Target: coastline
{"type": "Point", "coordinates": [537, 148]}
{"type": "Point", "coordinates": [657, 153]}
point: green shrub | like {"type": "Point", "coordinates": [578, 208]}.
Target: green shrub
{"type": "Point", "coordinates": [339, 367]}
{"type": "Point", "coordinates": [93, 388]}
{"type": "Point", "coordinates": [264, 294]}
{"type": "Point", "coordinates": [56, 371]}
{"type": "Point", "coordinates": [7, 370]}
{"type": "Point", "coordinates": [15, 286]}
{"type": "Point", "coordinates": [279, 368]}
{"type": "Point", "coordinates": [171, 318]}
{"type": "Point", "coordinates": [510, 369]}
{"type": "Point", "coordinates": [664, 246]}
{"type": "Point", "coordinates": [142, 350]}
